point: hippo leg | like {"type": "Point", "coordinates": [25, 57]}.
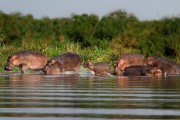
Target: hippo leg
{"type": "Point", "coordinates": [77, 70]}
{"type": "Point", "coordinates": [23, 68]}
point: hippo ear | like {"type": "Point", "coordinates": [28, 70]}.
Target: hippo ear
{"type": "Point", "coordinates": [90, 63]}
{"type": "Point", "coordinates": [50, 62]}
{"type": "Point", "coordinates": [14, 57]}
{"type": "Point", "coordinates": [53, 61]}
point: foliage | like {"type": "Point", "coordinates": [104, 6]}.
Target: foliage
{"type": "Point", "coordinates": [94, 39]}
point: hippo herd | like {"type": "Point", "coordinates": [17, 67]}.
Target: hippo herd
{"type": "Point", "coordinates": [130, 64]}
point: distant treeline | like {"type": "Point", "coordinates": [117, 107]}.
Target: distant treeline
{"type": "Point", "coordinates": [97, 39]}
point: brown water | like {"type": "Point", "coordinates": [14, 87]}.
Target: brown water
{"type": "Point", "coordinates": [33, 96]}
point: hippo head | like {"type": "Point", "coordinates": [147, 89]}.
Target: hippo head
{"type": "Point", "coordinates": [117, 70]}
{"type": "Point", "coordinates": [157, 72]}
{"type": "Point", "coordinates": [52, 68]}
{"type": "Point", "coordinates": [90, 65]}
{"type": "Point", "coordinates": [152, 71]}
{"type": "Point", "coordinates": [150, 61]}
{"type": "Point", "coordinates": [11, 62]}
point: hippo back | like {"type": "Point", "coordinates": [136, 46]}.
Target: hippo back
{"type": "Point", "coordinates": [69, 61]}
{"type": "Point", "coordinates": [133, 59]}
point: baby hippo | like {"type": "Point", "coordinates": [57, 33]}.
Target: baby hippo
{"type": "Point", "coordinates": [26, 59]}
{"type": "Point", "coordinates": [101, 68]}
{"type": "Point", "coordinates": [65, 62]}
{"type": "Point", "coordinates": [140, 70]}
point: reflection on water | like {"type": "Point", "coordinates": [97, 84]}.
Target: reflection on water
{"type": "Point", "coordinates": [35, 96]}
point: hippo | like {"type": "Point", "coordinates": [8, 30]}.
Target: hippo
{"type": "Point", "coordinates": [177, 67]}
{"type": "Point", "coordinates": [129, 59]}
{"type": "Point", "coordinates": [26, 59]}
{"type": "Point", "coordinates": [65, 62]}
{"type": "Point", "coordinates": [140, 70]}
{"type": "Point", "coordinates": [100, 68]}
{"type": "Point", "coordinates": [153, 60]}
{"type": "Point", "coordinates": [166, 65]}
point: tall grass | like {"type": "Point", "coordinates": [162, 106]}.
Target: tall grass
{"type": "Point", "coordinates": [55, 48]}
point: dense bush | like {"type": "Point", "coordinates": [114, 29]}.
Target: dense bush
{"type": "Point", "coordinates": [95, 39]}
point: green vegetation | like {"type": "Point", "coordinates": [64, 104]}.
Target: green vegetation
{"type": "Point", "coordinates": [93, 38]}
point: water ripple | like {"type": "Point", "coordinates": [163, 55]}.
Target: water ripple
{"type": "Point", "coordinates": [88, 97]}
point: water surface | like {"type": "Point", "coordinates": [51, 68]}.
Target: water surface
{"type": "Point", "coordinates": [71, 96]}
